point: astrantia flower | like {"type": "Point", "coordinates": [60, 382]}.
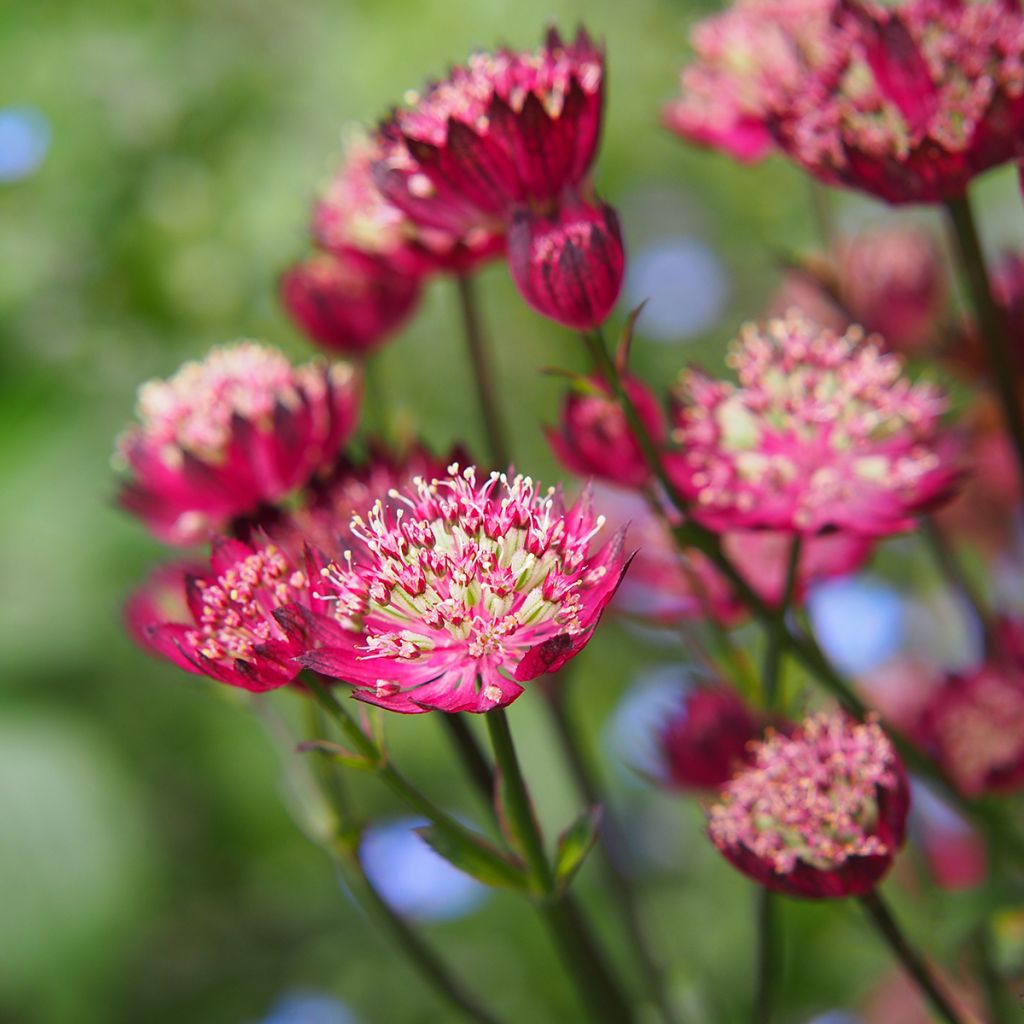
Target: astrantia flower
{"type": "Point", "coordinates": [348, 304]}
{"type": "Point", "coordinates": [975, 727]}
{"type": "Point", "coordinates": [221, 623]}
{"type": "Point", "coordinates": [224, 435]}
{"type": "Point", "coordinates": [905, 102]}
{"type": "Point", "coordinates": [504, 130]}
{"type": "Point", "coordinates": [706, 739]}
{"type": "Point", "coordinates": [819, 813]}
{"type": "Point", "coordinates": [821, 432]}
{"type": "Point", "coordinates": [568, 265]}
{"type": "Point", "coordinates": [462, 590]}
{"type": "Point", "coordinates": [352, 216]}
{"type": "Point", "coordinates": [594, 438]}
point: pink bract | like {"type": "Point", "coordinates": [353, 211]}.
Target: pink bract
{"type": "Point", "coordinates": [504, 130]}
{"type": "Point", "coordinates": [821, 433]}
{"type": "Point", "coordinates": [819, 813]}
{"type": "Point", "coordinates": [348, 305]}
{"type": "Point", "coordinates": [462, 589]}
{"type": "Point", "coordinates": [905, 102]}
{"type": "Point", "coordinates": [225, 435]}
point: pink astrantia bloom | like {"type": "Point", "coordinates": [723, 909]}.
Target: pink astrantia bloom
{"type": "Point", "coordinates": [974, 726]}
{"type": "Point", "coordinates": [353, 217]}
{"type": "Point", "coordinates": [821, 432]}
{"type": "Point", "coordinates": [820, 813]}
{"type": "Point", "coordinates": [348, 304]}
{"type": "Point", "coordinates": [502, 131]}
{"type": "Point", "coordinates": [593, 438]}
{"type": "Point", "coordinates": [462, 590]}
{"type": "Point", "coordinates": [225, 435]}
{"type": "Point", "coordinates": [905, 102]}
{"type": "Point", "coordinates": [702, 743]}
{"type": "Point", "coordinates": [568, 265]}
{"type": "Point", "coordinates": [220, 623]}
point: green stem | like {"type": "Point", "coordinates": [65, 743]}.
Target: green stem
{"type": "Point", "coordinates": [612, 847]}
{"type": "Point", "coordinates": [375, 402]}
{"type": "Point", "coordinates": [475, 764]}
{"type": "Point", "coordinates": [994, 329]}
{"type": "Point", "coordinates": [997, 994]}
{"type": "Point", "coordinates": [483, 376]}
{"type": "Point", "coordinates": [597, 986]}
{"type": "Point", "coordinates": [768, 950]}
{"type": "Point", "coordinates": [912, 962]}
{"type": "Point", "coordinates": [821, 207]}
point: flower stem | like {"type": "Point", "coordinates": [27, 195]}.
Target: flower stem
{"type": "Point", "coordinates": [995, 334]}
{"type": "Point", "coordinates": [598, 988]}
{"type": "Point", "coordinates": [612, 847]}
{"type": "Point", "coordinates": [472, 757]}
{"type": "Point", "coordinates": [375, 402]}
{"type": "Point", "coordinates": [768, 954]}
{"type": "Point", "coordinates": [483, 376]}
{"type": "Point", "coordinates": [911, 960]}
{"type": "Point", "coordinates": [997, 993]}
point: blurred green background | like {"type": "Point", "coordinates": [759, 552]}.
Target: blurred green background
{"type": "Point", "coordinates": [149, 867]}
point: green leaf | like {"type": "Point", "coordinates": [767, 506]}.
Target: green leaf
{"type": "Point", "coordinates": [574, 844]}
{"type": "Point", "coordinates": [474, 856]}
{"type": "Point", "coordinates": [626, 339]}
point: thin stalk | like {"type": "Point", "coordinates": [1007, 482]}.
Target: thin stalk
{"type": "Point", "coordinates": [997, 994]}
{"type": "Point", "coordinates": [994, 329]}
{"type": "Point", "coordinates": [483, 375]}
{"type": "Point", "coordinates": [768, 950]}
{"type": "Point", "coordinates": [474, 762]}
{"type": "Point", "coordinates": [375, 400]}
{"type": "Point", "coordinates": [821, 208]}
{"type": "Point", "coordinates": [612, 848]}
{"type": "Point", "coordinates": [596, 983]}
{"type": "Point", "coordinates": [912, 962]}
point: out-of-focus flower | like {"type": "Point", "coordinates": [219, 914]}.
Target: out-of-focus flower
{"type": "Point", "coordinates": [24, 140]}
{"type": "Point", "coordinates": [906, 103]}
{"type": "Point", "coordinates": [594, 438]}
{"type": "Point", "coordinates": [461, 590]}
{"type": "Point", "coordinates": [299, 1007]}
{"type": "Point", "coordinates": [348, 304]}
{"type": "Point", "coordinates": [899, 690]}
{"type": "Point", "coordinates": [225, 435]}
{"type": "Point", "coordinates": [221, 623]}
{"type": "Point", "coordinates": [822, 432]}
{"type": "Point", "coordinates": [352, 217]}
{"type": "Point", "coordinates": [820, 812]}
{"type": "Point", "coordinates": [974, 725]}
{"type": "Point", "coordinates": [706, 739]}
{"type": "Point", "coordinates": [502, 131]}
{"type": "Point", "coordinates": [952, 846]}
{"type": "Point", "coordinates": [568, 265]}
{"type": "Point", "coordinates": [665, 585]}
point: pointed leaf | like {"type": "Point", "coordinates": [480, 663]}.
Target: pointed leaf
{"type": "Point", "coordinates": [474, 856]}
{"type": "Point", "coordinates": [626, 338]}
{"type": "Point", "coordinates": [574, 844]}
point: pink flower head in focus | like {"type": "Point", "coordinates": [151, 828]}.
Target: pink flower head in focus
{"type": "Point", "coordinates": [820, 813]}
{"type": "Point", "coordinates": [907, 102]}
{"type": "Point", "coordinates": [220, 623]}
{"type": "Point", "coordinates": [821, 432]}
{"type": "Point", "coordinates": [225, 435]}
{"type": "Point", "coordinates": [706, 739]}
{"type": "Point", "coordinates": [594, 438]}
{"type": "Point", "coordinates": [348, 304]}
{"type": "Point", "coordinates": [462, 589]}
{"type": "Point", "coordinates": [504, 130]}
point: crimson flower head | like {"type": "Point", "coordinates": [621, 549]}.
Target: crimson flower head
{"type": "Point", "coordinates": [906, 102]}
{"type": "Point", "coordinates": [568, 264]}
{"type": "Point", "coordinates": [353, 217]}
{"type": "Point", "coordinates": [974, 725]}
{"type": "Point", "coordinates": [462, 590]}
{"type": "Point", "coordinates": [594, 438]}
{"type": "Point", "coordinates": [220, 622]}
{"type": "Point", "coordinates": [224, 435]}
{"type": "Point", "coordinates": [504, 130]}
{"type": "Point", "coordinates": [348, 305]}
{"type": "Point", "coordinates": [703, 743]}
{"type": "Point", "coordinates": [819, 813]}
{"type": "Point", "coordinates": [821, 432]}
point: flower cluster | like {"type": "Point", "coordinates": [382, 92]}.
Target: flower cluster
{"type": "Point", "coordinates": [821, 811]}
{"type": "Point", "coordinates": [225, 435]}
{"type": "Point", "coordinates": [462, 590]}
{"type": "Point", "coordinates": [821, 432]}
{"type": "Point", "coordinates": [907, 103]}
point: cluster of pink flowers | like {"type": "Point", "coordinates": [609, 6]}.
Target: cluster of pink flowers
{"type": "Point", "coordinates": [907, 103]}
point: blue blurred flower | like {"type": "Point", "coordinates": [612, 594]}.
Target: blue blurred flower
{"type": "Point", "coordinates": [308, 1008]}
{"type": "Point", "coordinates": [859, 622]}
{"type": "Point", "coordinates": [684, 284]}
{"type": "Point", "coordinates": [837, 1017]}
{"type": "Point", "coordinates": [413, 879]}
{"type": "Point", "coordinates": [24, 140]}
